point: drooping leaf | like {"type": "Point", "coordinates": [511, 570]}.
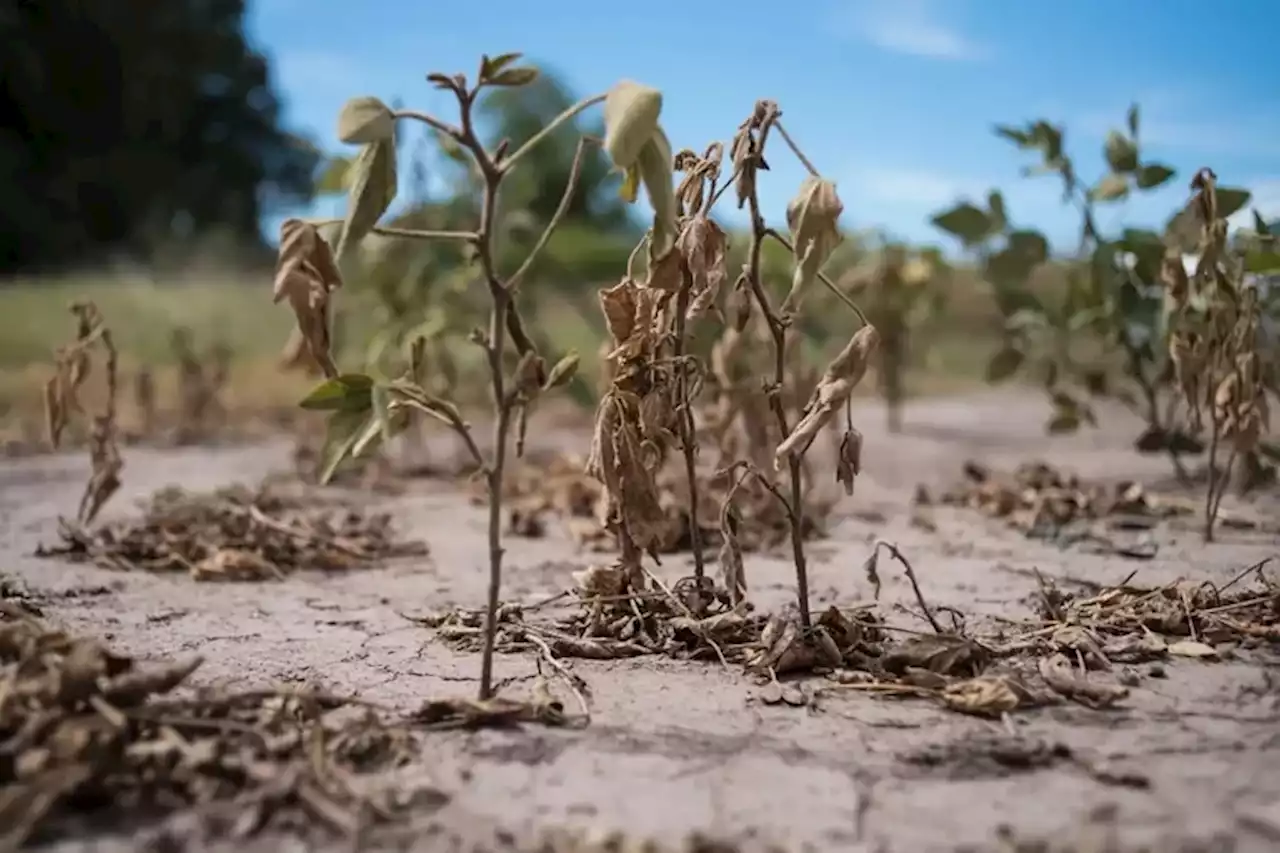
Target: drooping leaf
{"type": "Point", "coordinates": [1231, 200]}
{"type": "Point", "coordinates": [342, 432]}
{"type": "Point", "coordinates": [563, 371]}
{"type": "Point", "coordinates": [1121, 153]}
{"type": "Point", "coordinates": [1132, 121]}
{"type": "Point", "coordinates": [373, 188]}
{"type": "Point", "coordinates": [1111, 188]}
{"type": "Point", "coordinates": [1260, 225]}
{"type": "Point", "coordinates": [365, 120]}
{"type": "Point", "coordinates": [1153, 175]}
{"type": "Point", "coordinates": [349, 392]}
{"type": "Point", "coordinates": [968, 223]}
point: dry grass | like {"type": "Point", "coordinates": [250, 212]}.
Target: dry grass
{"type": "Point", "coordinates": [144, 312]}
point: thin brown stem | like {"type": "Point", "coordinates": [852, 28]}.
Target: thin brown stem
{"type": "Point", "coordinates": [822, 277]}
{"type": "Point", "coordinates": [795, 149]}
{"type": "Point", "coordinates": [688, 436]}
{"type": "Point", "coordinates": [502, 316]}
{"type": "Point", "coordinates": [1209, 507]}
{"type": "Point", "coordinates": [406, 233]}
{"type": "Point", "coordinates": [778, 332]}
{"type": "Point", "coordinates": [575, 172]}
{"type": "Point", "coordinates": [433, 122]}
{"type": "Point", "coordinates": [915, 584]}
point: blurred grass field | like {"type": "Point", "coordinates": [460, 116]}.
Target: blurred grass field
{"type": "Point", "coordinates": [236, 311]}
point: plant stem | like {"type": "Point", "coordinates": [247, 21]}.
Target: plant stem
{"type": "Point", "coordinates": [1209, 506]}
{"type": "Point", "coordinates": [552, 127]}
{"type": "Point", "coordinates": [778, 331]}
{"type": "Point", "coordinates": [501, 316]}
{"type": "Point", "coordinates": [407, 233]}
{"type": "Point", "coordinates": [562, 209]}
{"type": "Point", "coordinates": [688, 437]}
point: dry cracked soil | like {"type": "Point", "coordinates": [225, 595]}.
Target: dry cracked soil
{"type": "Point", "coordinates": [681, 746]}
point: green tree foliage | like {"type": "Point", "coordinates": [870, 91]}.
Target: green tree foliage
{"type": "Point", "coordinates": [132, 126]}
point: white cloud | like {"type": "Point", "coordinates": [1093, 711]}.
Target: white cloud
{"type": "Point", "coordinates": [912, 27]}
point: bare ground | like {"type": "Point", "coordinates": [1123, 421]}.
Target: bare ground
{"type": "Point", "coordinates": [675, 747]}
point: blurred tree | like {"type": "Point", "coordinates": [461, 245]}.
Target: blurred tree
{"type": "Point", "coordinates": [135, 126]}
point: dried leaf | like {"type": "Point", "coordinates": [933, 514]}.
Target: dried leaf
{"type": "Point", "coordinates": [837, 384]}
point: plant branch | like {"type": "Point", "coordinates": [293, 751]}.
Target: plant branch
{"type": "Point", "coordinates": [688, 439]}
{"type": "Point", "coordinates": [407, 233]}
{"type": "Point", "coordinates": [552, 127]}
{"type": "Point", "coordinates": [795, 149]}
{"type": "Point", "coordinates": [822, 277]}
{"type": "Point", "coordinates": [432, 122]}
{"type": "Point", "coordinates": [501, 316]}
{"type": "Point", "coordinates": [575, 173]}
{"type": "Point", "coordinates": [778, 331]}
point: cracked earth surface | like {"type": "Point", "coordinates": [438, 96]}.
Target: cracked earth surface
{"type": "Point", "coordinates": [677, 746]}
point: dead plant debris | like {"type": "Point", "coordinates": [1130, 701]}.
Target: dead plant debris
{"type": "Point", "coordinates": [1073, 648]}
{"type": "Point", "coordinates": [87, 732]}
{"type": "Point", "coordinates": [556, 486]}
{"type": "Point", "coordinates": [1046, 503]}
{"type": "Point", "coordinates": [237, 534]}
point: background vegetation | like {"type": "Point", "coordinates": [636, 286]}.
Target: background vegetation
{"type": "Point", "coordinates": [143, 187]}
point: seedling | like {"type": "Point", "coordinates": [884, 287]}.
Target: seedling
{"type": "Point", "coordinates": [367, 409]}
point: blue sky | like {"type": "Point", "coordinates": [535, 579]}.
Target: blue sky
{"type": "Point", "coordinates": [894, 100]}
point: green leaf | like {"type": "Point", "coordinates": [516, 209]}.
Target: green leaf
{"type": "Point", "coordinates": [1031, 244]}
{"type": "Point", "coordinates": [1231, 200]}
{"type": "Point", "coordinates": [1019, 137]}
{"type": "Point", "coordinates": [1132, 120]}
{"type": "Point", "coordinates": [380, 402]}
{"type": "Point", "coordinates": [995, 208]}
{"type": "Point", "coordinates": [373, 188]}
{"type": "Point", "coordinates": [1111, 188]}
{"type": "Point", "coordinates": [1260, 225]}
{"type": "Point", "coordinates": [970, 224]}
{"type": "Point", "coordinates": [1010, 268]}
{"type": "Point", "coordinates": [347, 393]}
{"type": "Point", "coordinates": [563, 372]}
{"type": "Point", "coordinates": [1004, 364]}
{"type": "Point", "coordinates": [492, 66]}
{"type": "Point", "coordinates": [1048, 139]}
{"type": "Point", "coordinates": [342, 432]}
{"type": "Point", "coordinates": [1122, 154]}
{"type": "Point", "coordinates": [514, 77]}
{"type": "Point", "coordinates": [1153, 175]}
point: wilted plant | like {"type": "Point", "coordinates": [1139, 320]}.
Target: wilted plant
{"type": "Point", "coordinates": [62, 399]}
{"type": "Point", "coordinates": [201, 380]}
{"type": "Point", "coordinates": [1216, 344]}
{"type": "Point", "coordinates": [367, 409]}
{"type": "Point", "coordinates": [648, 405]}
{"type": "Point", "coordinates": [1112, 286]}
{"type": "Point", "coordinates": [896, 290]}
